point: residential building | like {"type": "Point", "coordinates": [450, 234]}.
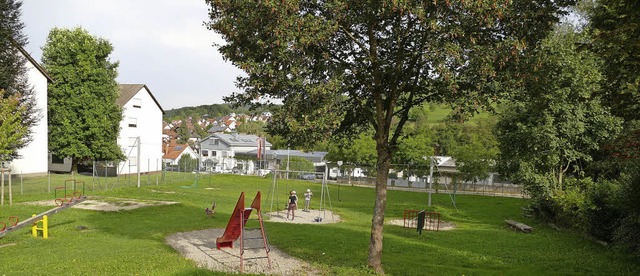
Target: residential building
{"type": "Point", "coordinates": [140, 130]}
{"type": "Point", "coordinates": [218, 152]}
{"type": "Point", "coordinates": [174, 152]}
{"type": "Point", "coordinates": [34, 158]}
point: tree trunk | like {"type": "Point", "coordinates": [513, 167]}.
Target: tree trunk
{"type": "Point", "coordinates": [74, 165]}
{"type": "Point", "coordinates": [377, 222]}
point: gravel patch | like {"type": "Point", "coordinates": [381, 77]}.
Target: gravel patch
{"type": "Point", "coordinates": [200, 246]}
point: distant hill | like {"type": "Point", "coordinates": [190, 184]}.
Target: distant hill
{"type": "Point", "coordinates": [211, 111]}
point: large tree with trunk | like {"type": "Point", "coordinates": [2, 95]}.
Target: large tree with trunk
{"type": "Point", "coordinates": [84, 119]}
{"type": "Point", "coordinates": [18, 102]}
{"type": "Point", "coordinates": [346, 66]}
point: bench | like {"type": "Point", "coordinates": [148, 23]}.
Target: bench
{"type": "Point", "coordinates": [520, 226]}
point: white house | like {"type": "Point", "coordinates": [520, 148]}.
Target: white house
{"type": "Point", "coordinates": [219, 152]}
{"type": "Point", "coordinates": [34, 158]}
{"type": "Point", "coordinates": [140, 135]}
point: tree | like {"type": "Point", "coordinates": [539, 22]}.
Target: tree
{"type": "Point", "coordinates": [12, 131]}
{"type": "Point", "coordinates": [84, 119]}
{"type": "Point", "coordinates": [615, 30]}
{"type": "Point", "coordinates": [347, 66]}
{"type": "Point", "coordinates": [18, 101]}
{"type": "Point", "coordinates": [475, 158]}
{"type": "Point", "coordinates": [557, 122]}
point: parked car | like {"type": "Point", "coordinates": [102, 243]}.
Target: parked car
{"type": "Point", "coordinates": [308, 176]}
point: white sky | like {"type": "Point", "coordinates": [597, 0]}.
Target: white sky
{"type": "Point", "coordinates": [161, 43]}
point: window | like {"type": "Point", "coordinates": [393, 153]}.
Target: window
{"type": "Point", "coordinates": [137, 103]}
{"type": "Point", "coordinates": [214, 153]}
{"type": "Point", "coordinates": [133, 141]}
{"type": "Point", "coordinates": [205, 153]}
{"type": "Point", "coordinates": [56, 160]}
{"type": "Point", "coordinates": [133, 122]}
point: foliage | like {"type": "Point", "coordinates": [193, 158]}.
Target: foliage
{"type": "Point", "coordinates": [360, 151]}
{"type": "Point", "coordinates": [348, 66]}
{"type": "Point", "coordinates": [187, 163]}
{"type": "Point", "coordinates": [254, 127]}
{"type": "Point", "coordinates": [476, 158]}
{"type": "Point", "coordinates": [205, 111]}
{"type": "Point", "coordinates": [84, 119]}
{"type": "Point", "coordinates": [12, 131]}
{"type": "Point", "coordinates": [298, 164]}
{"type": "Point", "coordinates": [557, 122]}
{"type": "Point", "coordinates": [615, 30]}
{"type": "Point", "coordinates": [18, 98]}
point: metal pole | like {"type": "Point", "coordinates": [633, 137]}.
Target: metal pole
{"type": "Point", "coordinates": [430, 179]}
{"type": "Point", "coordinates": [138, 161]}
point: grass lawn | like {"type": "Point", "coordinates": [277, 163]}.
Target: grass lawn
{"type": "Point", "coordinates": [132, 242]}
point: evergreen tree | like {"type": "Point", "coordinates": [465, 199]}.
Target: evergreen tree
{"type": "Point", "coordinates": [83, 115]}
{"type": "Point", "coordinates": [18, 97]}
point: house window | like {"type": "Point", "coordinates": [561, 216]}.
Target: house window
{"type": "Point", "coordinates": [214, 153]}
{"type": "Point", "coordinates": [133, 122]}
{"type": "Point", "coordinates": [213, 142]}
{"type": "Point", "coordinates": [57, 160]}
{"type": "Point", "coordinates": [205, 153]}
{"type": "Point", "coordinates": [133, 141]}
{"type": "Point", "coordinates": [137, 103]}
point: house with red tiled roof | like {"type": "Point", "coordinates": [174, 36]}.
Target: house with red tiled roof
{"type": "Point", "coordinates": [173, 153]}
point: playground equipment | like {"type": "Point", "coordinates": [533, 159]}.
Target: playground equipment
{"type": "Point", "coordinates": [69, 200]}
{"type": "Point", "coordinates": [13, 220]}
{"type": "Point", "coordinates": [68, 197]}
{"type": "Point", "coordinates": [325, 197]}
{"type": "Point", "coordinates": [44, 227]}
{"type": "Point", "coordinates": [236, 230]}
{"type": "Point", "coordinates": [211, 211]}
{"type": "Point", "coordinates": [420, 220]}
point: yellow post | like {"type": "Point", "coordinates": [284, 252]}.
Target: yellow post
{"type": "Point", "coordinates": [34, 228]}
{"type": "Point", "coordinates": [44, 228]}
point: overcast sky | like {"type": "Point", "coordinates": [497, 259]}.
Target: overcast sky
{"type": "Point", "coordinates": [160, 43]}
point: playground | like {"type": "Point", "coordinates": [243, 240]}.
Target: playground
{"type": "Point", "coordinates": [165, 230]}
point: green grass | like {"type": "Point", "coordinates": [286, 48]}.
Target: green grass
{"type": "Point", "coordinates": [132, 242]}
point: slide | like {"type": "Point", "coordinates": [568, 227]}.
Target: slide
{"type": "Point", "coordinates": [234, 227]}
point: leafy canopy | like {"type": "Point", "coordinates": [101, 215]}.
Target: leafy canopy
{"type": "Point", "coordinates": [83, 115]}
{"type": "Point", "coordinates": [347, 66]}
{"type": "Point", "coordinates": [18, 99]}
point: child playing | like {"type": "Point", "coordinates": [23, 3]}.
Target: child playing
{"type": "Point", "coordinates": [307, 200]}
{"type": "Point", "coordinates": [293, 204]}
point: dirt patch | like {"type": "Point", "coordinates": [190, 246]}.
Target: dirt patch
{"type": "Point", "coordinates": [301, 217]}
{"type": "Point", "coordinates": [200, 246]}
{"type": "Point", "coordinates": [108, 204]}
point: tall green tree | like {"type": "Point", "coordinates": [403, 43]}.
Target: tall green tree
{"type": "Point", "coordinates": [18, 97]}
{"type": "Point", "coordinates": [557, 122]}
{"type": "Point", "coordinates": [615, 30]}
{"type": "Point", "coordinates": [84, 119]}
{"type": "Point", "coordinates": [346, 65]}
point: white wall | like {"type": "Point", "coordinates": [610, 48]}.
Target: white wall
{"type": "Point", "coordinates": [148, 120]}
{"type": "Point", "coordinates": [35, 156]}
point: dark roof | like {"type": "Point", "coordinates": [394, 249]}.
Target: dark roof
{"type": "Point", "coordinates": [127, 91]}
{"type": "Point", "coordinates": [33, 61]}
{"type": "Point", "coordinates": [238, 140]}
